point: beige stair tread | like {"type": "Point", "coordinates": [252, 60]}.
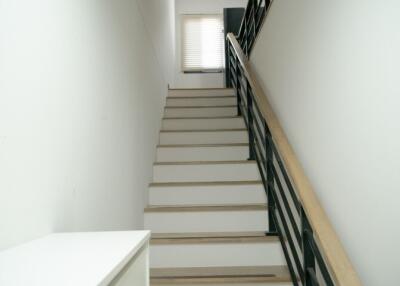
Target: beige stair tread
{"type": "Point", "coordinates": [203, 145]}
{"type": "Point", "coordinates": [205, 162]}
{"type": "Point", "coordinates": [204, 275]}
{"type": "Point", "coordinates": [206, 234]}
{"type": "Point", "coordinates": [201, 96]}
{"type": "Point", "coordinates": [201, 184]}
{"type": "Point", "coordinates": [204, 208]}
{"type": "Point", "coordinates": [201, 106]}
{"type": "Point", "coordinates": [211, 237]}
{"type": "Point", "coordinates": [205, 130]}
{"type": "Point", "coordinates": [202, 117]}
{"type": "Point", "coordinates": [203, 88]}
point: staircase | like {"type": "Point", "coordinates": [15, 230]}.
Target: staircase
{"type": "Point", "coordinates": [207, 205]}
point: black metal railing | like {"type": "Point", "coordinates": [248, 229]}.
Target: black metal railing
{"type": "Point", "coordinates": [253, 18]}
{"type": "Point", "coordinates": [287, 218]}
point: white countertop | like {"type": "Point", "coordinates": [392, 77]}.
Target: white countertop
{"type": "Point", "coordinates": [70, 259]}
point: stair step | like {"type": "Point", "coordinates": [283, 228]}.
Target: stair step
{"type": "Point", "coordinates": [221, 275]}
{"type": "Point", "coordinates": [206, 218]}
{"type": "Point", "coordinates": [215, 249]}
{"type": "Point", "coordinates": [206, 208]}
{"type": "Point", "coordinates": [211, 237]}
{"type": "Point", "coordinates": [195, 152]}
{"type": "Point", "coordinates": [186, 193]}
{"type": "Point", "coordinates": [220, 100]}
{"type": "Point", "coordinates": [205, 171]}
{"type": "Point", "coordinates": [197, 123]}
{"type": "Point", "coordinates": [188, 92]}
{"type": "Point", "coordinates": [202, 111]}
{"type": "Point", "coordinates": [217, 136]}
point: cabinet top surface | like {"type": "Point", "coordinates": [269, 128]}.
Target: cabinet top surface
{"type": "Point", "coordinates": [66, 259]}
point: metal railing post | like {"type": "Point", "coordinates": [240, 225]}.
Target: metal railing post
{"type": "Point", "coordinates": [250, 120]}
{"type": "Point", "coordinates": [269, 157]}
{"type": "Point", "coordinates": [238, 87]}
{"type": "Point", "coordinates": [308, 255]}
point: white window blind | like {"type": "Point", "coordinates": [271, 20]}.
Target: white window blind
{"type": "Point", "coordinates": [202, 43]}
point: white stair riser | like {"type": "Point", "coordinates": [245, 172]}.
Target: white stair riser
{"type": "Point", "coordinates": [220, 137]}
{"type": "Point", "coordinates": [206, 221]}
{"type": "Point", "coordinates": [182, 154]}
{"type": "Point", "coordinates": [203, 195]}
{"type": "Point", "coordinates": [200, 112]}
{"type": "Point", "coordinates": [216, 254]}
{"type": "Point", "coordinates": [200, 92]}
{"type": "Point", "coordinates": [199, 101]}
{"type": "Point", "coordinates": [204, 123]}
{"type": "Point", "coordinates": [206, 172]}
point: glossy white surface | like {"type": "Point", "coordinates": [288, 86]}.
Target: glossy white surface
{"type": "Point", "coordinates": [71, 259]}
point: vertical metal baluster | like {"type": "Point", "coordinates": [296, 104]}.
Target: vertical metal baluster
{"type": "Point", "coordinates": [250, 120]}
{"type": "Point", "coordinates": [255, 6]}
{"type": "Point", "coordinates": [308, 255]}
{"type": "Point", "coordinates": [239, 99]}
{"type": "Point", "coordinates": [228, 64]}
{"type": "Point", "coordinates": [245, 34]}
{"type": "Point", "coordinates": [269, 155]}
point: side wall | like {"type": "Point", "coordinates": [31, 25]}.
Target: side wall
{"type": "Point", "coordinates": [199, 80]}
{"type": "Point", "coordinates": [81, 94]}
{"type": "Point", "coordinates": [159, 17]}
{"type": "Point", "coordinates": [331, 70]}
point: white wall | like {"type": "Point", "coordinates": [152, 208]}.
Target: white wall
{"type": "Point", "coordinates": [183, 80]}
{"type": "Point", "coordinates": [159, 16]}
{"type": "Point", "coordinates": [81, 94]}
{"type": "Point", "coordinates": [332, 70]}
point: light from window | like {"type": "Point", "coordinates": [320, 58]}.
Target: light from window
{"type": "Point", "coordinates": [202, 43]}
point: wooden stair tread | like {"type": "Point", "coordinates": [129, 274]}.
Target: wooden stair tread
{"type": "Point", "coordinates": [205, 130]}
{"type": "Point", "coordinates": [201, 96]}
{"type": "Point", "coordinates": [203, 145]}
{"type": "Point", "coordinates": [202, 117]}
{"type": "Point", "coordinates": [206, 162]}
{"type": "Point", "coordinates": [195, 184]}
{"type": "Point", "coordinates": [207, 234]}
{"type": "Point", "coordinates": [204, 208]}
{"type": "Point", "coordinates": [201, 106]}
{"type": "Point", "coordinates": [211, 237]}
{"type": "Point", "coordinates": [203, 88]}
{"type": "Point", "coordinates": [235, 274]}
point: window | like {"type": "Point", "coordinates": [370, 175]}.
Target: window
{"type": "Point", "coordinates": [202, 43]}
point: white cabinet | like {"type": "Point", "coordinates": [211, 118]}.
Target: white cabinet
{"type": "Point", "coordinates": [79, 259]}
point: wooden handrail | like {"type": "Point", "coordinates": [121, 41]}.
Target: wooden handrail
{"type": "Point", "coordinates": [342, 271]}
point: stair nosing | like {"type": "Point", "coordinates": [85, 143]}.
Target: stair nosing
{"type": "Point", "coordinates": [202, 118]}
{"type": "Point", "coordinates": [201, 96]}
{"type": "Point", "coordinates": [214, 234]}
{"type": "Point", "coordinates": [204, 208]}
{"type": "Point", "coordinates": [202, 145]}
{"type": "Point", "coordinates": [219, 240]}
{"type": "Point", "coordinates": [205, 238]}
{"type": "Point", "coordinates": [218, 280]}
{"type": "Point", "coordinates": [204, 88]}
{"type": "Point", "coordinates": [230, 274]}
{"type": "Point", "coordinates": [233, 162]}
{"type": "Point", "coordinates": [215, 183]}
{"type": "Point", "coordinates": [201, 106]}
{"type": "Point", "coordinates": [203, 130]}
